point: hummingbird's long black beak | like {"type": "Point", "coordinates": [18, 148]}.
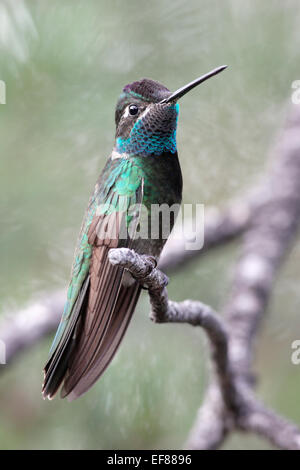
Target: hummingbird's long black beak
{"type": "Point", "coordinates": [186, 88]}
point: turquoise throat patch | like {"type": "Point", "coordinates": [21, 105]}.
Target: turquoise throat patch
{"type": "Point", "coordinates": [150, 139]}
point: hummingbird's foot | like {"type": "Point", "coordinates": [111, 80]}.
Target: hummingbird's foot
{"type": "Point", "coordinates": [152, 258]}
{"type": "Point", "coordinates": [143, 268]}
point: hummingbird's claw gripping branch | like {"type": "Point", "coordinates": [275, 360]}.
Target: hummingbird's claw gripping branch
{"type": "Point", "coordinates": [142, 267]}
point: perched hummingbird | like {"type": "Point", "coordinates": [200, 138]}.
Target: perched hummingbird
{"type": "Point", "coordinates": [143, 169]}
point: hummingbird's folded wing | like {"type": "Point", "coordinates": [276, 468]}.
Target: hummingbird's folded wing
{"type": "Point", "coordinates": [101, 312]}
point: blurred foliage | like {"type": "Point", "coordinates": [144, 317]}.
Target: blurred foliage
{"type": "Point", "coordinates": [64, 64]}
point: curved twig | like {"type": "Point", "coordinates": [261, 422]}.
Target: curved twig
{"type": "Point", "coordinates": [230, 402]}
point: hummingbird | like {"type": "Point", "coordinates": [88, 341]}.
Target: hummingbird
{"type": "Point", "coordinates": [143, 170]}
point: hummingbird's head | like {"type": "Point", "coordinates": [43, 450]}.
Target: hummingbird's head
{"type": "Point", "coordinates": [145, 125]}
{"type": "Point", "coordinates": [146, 116]}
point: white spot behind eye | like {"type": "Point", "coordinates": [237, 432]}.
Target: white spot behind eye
{"type": "Point", "coordinates": [126, 112]}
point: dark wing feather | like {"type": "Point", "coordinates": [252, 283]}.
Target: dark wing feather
{"type": "Point", "coordinates": [57, 365]}
{"type": "Point", "coordinates": [104, 310]}
{"type": "Point", "coordinates": [78, 383]}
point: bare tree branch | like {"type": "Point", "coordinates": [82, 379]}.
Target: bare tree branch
{"type": "Point", "coordinates": [230, 402]}
{"type": "Point", "coordinates": [21, 330]}
{"type": "Point", "coordinates": [212, 424]}
{"type": "Point", "coordinates": [273, 226]}
{"type": "Point", "coordinates": [192, 312]}
{"type": "Point", "coordinates": [267, 423]}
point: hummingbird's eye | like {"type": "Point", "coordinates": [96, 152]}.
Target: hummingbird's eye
{"type": "Point", "coordinates": [133, 109]}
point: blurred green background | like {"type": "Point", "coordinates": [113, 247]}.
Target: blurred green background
{"type": "Point", "coordinates": [64, 64]}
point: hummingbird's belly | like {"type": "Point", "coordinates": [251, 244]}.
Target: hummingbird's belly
{"type": "Point", "coordinates": [160, 205]}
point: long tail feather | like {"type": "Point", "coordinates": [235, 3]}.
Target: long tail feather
{"type": "Point", "coordinates": [76, 382]}
{"type": "Point", "coordinates": [57, 365]}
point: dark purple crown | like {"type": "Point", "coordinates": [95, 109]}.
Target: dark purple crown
{"type": "Point", "coordinates": [148, 89]}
